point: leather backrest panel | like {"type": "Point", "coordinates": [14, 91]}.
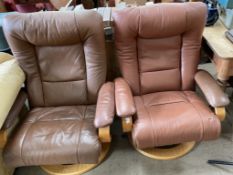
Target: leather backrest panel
{"type": "Point", "coordinates": [159, 58]}
{"type": "Point", "coordinates": [158, 46]}
{"type": "Point", "coordinates": [62, 54]}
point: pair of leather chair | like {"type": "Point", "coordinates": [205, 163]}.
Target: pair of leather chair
{"type": "Point", "coordinates": [63, 57]}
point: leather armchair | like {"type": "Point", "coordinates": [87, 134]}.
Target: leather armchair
{"type": "Point", "coordinates": [63, 57]}
{"type": "Point", "coordinates": [158, 50]}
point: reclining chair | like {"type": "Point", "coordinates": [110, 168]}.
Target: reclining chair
{"type": "Point", "coordinates": [63, 57]}
{"type": "Point", "coordinates": [158, 49]}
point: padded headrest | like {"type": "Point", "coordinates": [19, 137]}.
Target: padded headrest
{"type": "Point", "coordinates": [30, 27]}
{"type": "Point", "coordinates": [160, 20]}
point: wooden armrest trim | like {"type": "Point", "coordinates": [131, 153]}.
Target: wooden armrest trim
{"type": "Point", "coordinates": [127, 124]}
{"type": "Point", "coordinates": [220, 112]}
{"type": "Point", "coordinates": [104, 134]}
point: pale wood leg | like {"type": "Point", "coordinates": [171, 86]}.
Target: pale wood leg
{"type": "Point", "coordinates": [224, 70]}
{"type": "Point", "coordinates": [220, 112]}
{"type": "Point", "coordinates": [127, 124]}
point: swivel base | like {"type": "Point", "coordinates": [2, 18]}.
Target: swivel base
{"type": "Point", "coordinates": [75, 169]}
{"type": "Point", "coordinates": [168, 152]}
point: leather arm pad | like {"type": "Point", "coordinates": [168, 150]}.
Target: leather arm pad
{"type": "Point", "coordinates": [212, 91]}
{"type": "Point", "coordinates": [105, 109]}
{"type": "Point", "coordinates": [124, 99]}
{"type": "Point", "coordinates": [15, 110]}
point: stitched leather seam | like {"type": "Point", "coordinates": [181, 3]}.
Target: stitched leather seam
{"type": "Point", "coordinates": [64, 119]}
{"type": "Point", "coordinates": [85, 65]}
{"type": "Point", "coordinates": [65, 81]}
{"type": "Point", "coordinates": [182, 47]}
{"type": "Point", "coordinates": [160, 70]}
{"type": "Point", "coordinates": [39, 72]}
{"type": "Point", "coordinates": [160, 104]}
{"type": "Point", "coordinates": [154, 138]}
{"type": "Point", "coordinates": [202, 124]}
{"type": "Point", "coordinates": [139, 76]}
{"type": "Point", "coordinates": [21, 150]}
{"type": "Point", "coordinates": [80, 130]}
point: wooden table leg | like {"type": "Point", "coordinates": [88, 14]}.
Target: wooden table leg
{"type": "Point", "coordinates": [224, 70]}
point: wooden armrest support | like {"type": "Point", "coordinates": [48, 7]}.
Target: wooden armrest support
{"type": "Point", "coordinates": [104, 134]}
{"type": "Point", "coordinates": [220, 112]}
{"type": "Point", "coordinates": [3, 138]}
{"type": "Point", "coordinates": [4, 133]}
{"type": "Point", "coordinates": [127, 124]}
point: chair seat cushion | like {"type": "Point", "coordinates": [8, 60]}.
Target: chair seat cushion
{"type": "Point", "coordinates": [172, 117]}
{"type": "Point", "coordinates": [55, 135]}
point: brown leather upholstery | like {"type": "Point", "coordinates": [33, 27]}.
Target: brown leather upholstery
{"type": "Point", "coordinates": [124, 99]}
{"type": "Point", "coordinates": [63, 56]}
{"type": "Point", "coordinates": [172, 117]}
{"type": "Point", "coordinates": [105, 110]}
{"type": "Point", "coordinates": [157, 43]}
{"type": "Point", "coordinates": [55, 134]}
{"type": "Point", "coordinates": [158, 50]}
{"type": "Point", "coordinates": [79, 62]}
{"type": "Point", "coordinates": [213, 93]}
{"type": "Point", "coordinates": [15, 110]}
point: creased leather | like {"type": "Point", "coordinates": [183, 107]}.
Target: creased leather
{"type": "Point", "coordinates": [105, 109]}
{"type": "Point", "coordinates": [149, 37]}
{"type": "Point", "coordinates": [158, 49]}
{"type": "Point", "coordinates": [55, 135]}
{"type": "Point", "coordinates": [172, 117]}
{"type": "Point", "coordinates": [79, 62]}
{"type": "Point", "coordinates": [212, 91]}
{"type": "Point", "coordinates": [124, 99]}
{"type": "Point", "coordinates": [63, 56]}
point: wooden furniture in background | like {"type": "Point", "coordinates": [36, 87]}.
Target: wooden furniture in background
{"type": "Point", "coordinates": [222, 50]}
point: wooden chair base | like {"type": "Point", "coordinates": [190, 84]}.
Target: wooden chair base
{"type": "Point", "coordinates": [75, 169]}
{"type": "Point", "coordinates": [168, 153]}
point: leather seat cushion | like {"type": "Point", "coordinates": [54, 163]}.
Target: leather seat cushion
{"type": "Point", "coordinates": [172, 117]}
{"type": "Point", "coordinates": [55, 135]}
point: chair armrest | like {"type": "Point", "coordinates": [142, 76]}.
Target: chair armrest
{"type": "Point", "coordinates": [105, 109]}
{"type": "Point", "coordinates": [125, 106]}
{"type": "Point", "coordinates": [212, 91]}
{"type": "Point", "coordinates": [11, 79]}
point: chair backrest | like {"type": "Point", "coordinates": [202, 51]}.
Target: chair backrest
{"type": "Point", "coordinates": [158, 46]}
{"type": "Point", "coordinates": [62, 54]}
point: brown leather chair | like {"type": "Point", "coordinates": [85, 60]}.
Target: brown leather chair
{"type": "Point", "coordinates": [158, 49]}
{"type": "Point", "coordinates": [63, 57]}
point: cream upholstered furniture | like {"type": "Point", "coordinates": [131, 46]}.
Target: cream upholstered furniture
{"type": "Point", "coordinates": [11, 81]}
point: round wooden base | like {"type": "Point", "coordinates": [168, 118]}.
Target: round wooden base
{"type": "Point", "coordinates": [168, 153]}
{"type": "Point", "coordinates": [75, 169]}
